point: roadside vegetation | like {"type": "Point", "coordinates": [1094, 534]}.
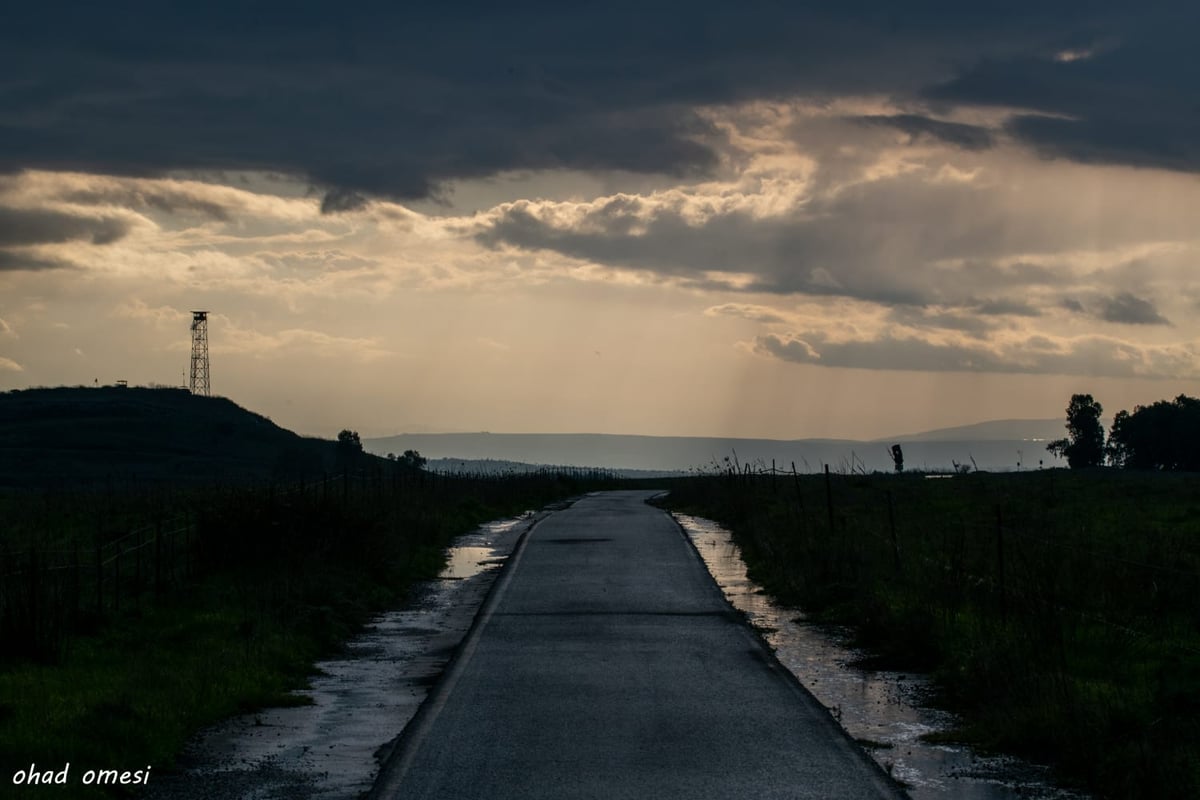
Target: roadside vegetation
{"type": "Point", "coordinates": [273, 580]}
{"type": "Point", "coordinates": [134, 612]}
{"type": "Point", "coordinates": [1058, 611]}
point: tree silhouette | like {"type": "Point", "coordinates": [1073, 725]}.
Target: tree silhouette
{"type": "Point", "coordinates": [1084, 445]}
{"type": "Point", "coordinates": [898, 457]}
{"type": "Point", "coordinates": [411, 460]}
{"type": "Point", "coordinates": [1165, 435]}
{"type": "Point", "coordinates": [349, 448]}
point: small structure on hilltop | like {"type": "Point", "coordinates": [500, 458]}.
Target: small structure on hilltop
{"type": "Point", "coordinates": [199, 382]}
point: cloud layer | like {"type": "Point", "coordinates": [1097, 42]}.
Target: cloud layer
{"type": "Point", "coordinates": [391, 100]}
{"type": "Point", "coordinates": [439, 210]}
{"type": "Point", "coordinates": [912, 244]}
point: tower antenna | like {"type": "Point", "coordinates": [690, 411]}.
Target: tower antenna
{"type": "Point", "coordinates": [199, 383]}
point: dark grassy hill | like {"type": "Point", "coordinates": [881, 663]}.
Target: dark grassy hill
{"type": "Point", "coordinates": [69, 436]}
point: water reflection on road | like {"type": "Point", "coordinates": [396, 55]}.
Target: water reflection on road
{"type": "Point", "coordinates": [880, 709]}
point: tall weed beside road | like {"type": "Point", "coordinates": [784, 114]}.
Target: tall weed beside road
{"type": "Point", "coordinates": [1058, 611]}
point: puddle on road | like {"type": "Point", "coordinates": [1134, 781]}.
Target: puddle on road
{"type": "Point", "coordinates": [360, 700]}
{"type": "Point", "coordinates": [467, 562]}
{"type": "Point", "coordinates": [873, 706]}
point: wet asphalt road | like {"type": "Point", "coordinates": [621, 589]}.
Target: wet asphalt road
{"type": "Point", "coordinates": [607, 664]}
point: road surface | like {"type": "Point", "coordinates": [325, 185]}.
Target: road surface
{"type": "Point", "coordinates": [607, 664]}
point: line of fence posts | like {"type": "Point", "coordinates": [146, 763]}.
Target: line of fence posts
{"type": "Point", "coordinates": [992, 579]}
{"type": "Point", "coordinates": [1001, 586]}
{"type": "Point", "coordinates": [39, 594]}
{"type": "Point", "coordinates": [891, 508]}
{"type": "Point", "coordinates": [47, 591]}
{"type": "Point", "coordinates": [829, 498]}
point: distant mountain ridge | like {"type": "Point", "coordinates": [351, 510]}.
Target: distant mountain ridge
{"type": "Point", "coordinates": [993, 430]}
{"type": "Point", "coordinates": [491, 466]}
{"type": "Point", "coordinates": [682, 453]}
{"type": "Point", "coordinates": [79, 435]}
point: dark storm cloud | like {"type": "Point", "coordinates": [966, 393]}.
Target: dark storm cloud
{"type": "Point", "coordinates": [921, 318]}
{"type": "Point", "coordinates": [385, 99]}
{"type": "Point", "coordinates": [884, 353]}
{"type": "Point", "coordinates": [16, 261]}
{"type": "Point", "coordinates": [1129, 309]}
{"type": "Point", "coordinates": [976, 319]}
{"type": "Point", "coordinates": [336, 201]}
{"type": "Point", "coordinates": [1003, 307]}
{"type": "Point", "coordinates": [870, 242]}
{"type": "Point", "coordinates": [156, 199]}
{"type": "Point", "coordinates": [1094, 355]}
{"type": "Point", "coordinates": [1128, 99]}
{"type": "Point", "coordinates": [19, 227]}
{"type": "Point", "coordinates": [968, 137]}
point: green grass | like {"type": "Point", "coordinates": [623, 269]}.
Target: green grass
{"type": "Point", "coordinates": [279, 581]}
{"type": "Point", "coordinates": [167, 560]}
{"type": "Point", "coordinates": [1058, 612]}
{"type": "Point", "coordinates": [129, 696]}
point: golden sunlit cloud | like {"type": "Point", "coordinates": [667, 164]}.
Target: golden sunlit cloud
{"type": "Point", "coordinates": [311, 343]}
{"type": "Point", "coordinates": [853, 234]}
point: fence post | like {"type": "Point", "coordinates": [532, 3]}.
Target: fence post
{"type": "Point", "coordinates": [76, 599]}
{"type": "Point", "coordinates": [829, 498]}
{"type": "Point", "coordinates": [892, 527]}
{"type": "Point", "coordinates": [171, 543]}
{"type": "Point", "coordinates": [99, 577]}
{"type": "Point", "coordinates": [117, 579]}
{"type": "Point", "coordinates": [158, 558]}
{"type": "Point", "coordinates": [1000, 565]}
{"type": "Point", "coordinates": [34, 592]}
{"type": "Point", "coordinates": [137, 568]}
{"type": "Point", "coordinates": [796, 483]}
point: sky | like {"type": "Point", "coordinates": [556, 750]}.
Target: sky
{"type": "Point", "coordinates": [762, 219]}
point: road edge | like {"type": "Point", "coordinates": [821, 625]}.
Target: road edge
{"type": "Point", "coordinates": [887, 782]}
{"type": "Point", "coordinates": [403, 749]}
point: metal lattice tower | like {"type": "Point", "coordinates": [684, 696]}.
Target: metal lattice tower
{"type": "Point", "coordinates": [199, 383]}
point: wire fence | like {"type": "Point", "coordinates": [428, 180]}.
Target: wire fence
{"type": "Point", "coordinates": [47, 593]}
{"type": "Point", "coordinates": [1034, 561]}
{"type": "Point", "coordinates": [73, 570]}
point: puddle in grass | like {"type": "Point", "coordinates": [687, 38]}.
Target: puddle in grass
{"type": "Point", "coordinates": [467, 562]}
{"type": "Point", "coordinates": [878, 708]}
{"type": "Point", "coordinates": [360, 701]}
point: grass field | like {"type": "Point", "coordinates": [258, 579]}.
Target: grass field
{"type": "Point", "coordinates": [1059, 612]}
{"type": "Point", "coordinates": [167, 560]}
{"type": "Point", "coordinates": [275, 579]}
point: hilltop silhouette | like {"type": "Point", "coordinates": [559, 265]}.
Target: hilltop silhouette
{"type": "Point", "coordinates": [67, 436]}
